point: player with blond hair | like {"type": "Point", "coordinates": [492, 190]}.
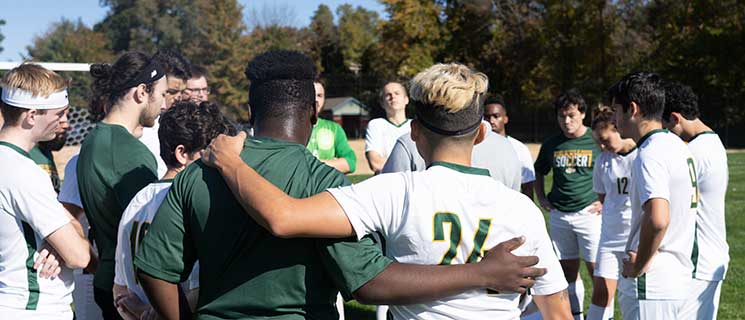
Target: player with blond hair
{"type": "Point", "coordinates": [447, 214]}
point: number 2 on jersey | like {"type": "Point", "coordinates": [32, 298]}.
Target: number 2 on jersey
{"type": "Point", "coordinates": [441, 218]}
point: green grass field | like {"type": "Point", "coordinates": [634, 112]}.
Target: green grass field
{"type": "Point", "coordinates": [734, 286]}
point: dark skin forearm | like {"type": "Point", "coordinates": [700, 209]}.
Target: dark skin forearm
{"type": "Point", "coordinates": [166, 298]}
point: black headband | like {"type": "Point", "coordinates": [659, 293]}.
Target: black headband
{"type": "Point", "coordinates": [425, 113]}
{"type": "Point", "coordinates": [148, 74]}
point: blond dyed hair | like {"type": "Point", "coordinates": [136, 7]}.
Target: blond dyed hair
{"type": "Point", "coordinates": [450, 86]}
{"type": "Point", "coordinates": [35, 79]}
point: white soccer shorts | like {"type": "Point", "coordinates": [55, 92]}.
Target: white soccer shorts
{"type": "Point", "coordinates": [703, 303]}
{"type": "Point", "coordinates": [609, 263]}
{"type": "Point", "coordinates": [634, 309]}
{"type": "Point", "coordinates": [575, 234]}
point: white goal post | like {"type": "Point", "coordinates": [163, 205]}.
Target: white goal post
{"type": "Point", "coordinates": [54, 66]}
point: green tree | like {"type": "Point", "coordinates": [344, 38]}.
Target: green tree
{"type": "Point", "coordinates": [324, 38]}
{"type": "Point", "coordinates": [68, 41]}
{"type": "Point", "coordinates": [357, 33]}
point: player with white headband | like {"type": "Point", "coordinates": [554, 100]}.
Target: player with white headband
{"type": "Point", "coordinates": [33, 222]}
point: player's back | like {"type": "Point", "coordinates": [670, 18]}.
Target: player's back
{"type": "Point", "coordinates": [712, 171]}
{"type": "Point", "coordinates": [664, 168]}
{"type": "Point", "coordinates": [450, 214]}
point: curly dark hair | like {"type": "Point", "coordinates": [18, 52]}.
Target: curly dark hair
{"type": "Point", "coordinates": [191, 125]}
{"type": "Point", "coordinates": [681, 99]}
{"type": "Point", "coordinates": [643, 88]}
{"type": "Point", "coordinates": [569, 98]}
{"type": "Point", "coordinates": [108, 80]}
{"type": "Point", "coordinates": [281, 84]}
{"type": "Point", "coordinates": [174, 63]}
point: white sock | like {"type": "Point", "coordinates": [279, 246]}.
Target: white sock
{"type": "Point", "coordinates": [600, 313]}
{"type": "Point", "coordinates": [576, 297]}
{"type": "Point", "coordinates": [381, 313]}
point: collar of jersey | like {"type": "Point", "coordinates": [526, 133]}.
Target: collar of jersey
{"type": "Point", "coordinates": [15, 148]}
{"type": "Point", "coordinates": [649, 134]}
{"type": "Point", "coordinates": [399, 125]}
{"type": "Point", "coordinates": [462, 168]}
{"type": "Point", "coordinates": [700, 133]}
{"type": "Point", "coordinates": [623, 154]}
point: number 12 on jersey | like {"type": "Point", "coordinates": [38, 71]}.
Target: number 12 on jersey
{"type": "Point", "coordinates": [441, 218]}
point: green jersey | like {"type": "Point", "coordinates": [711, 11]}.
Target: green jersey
{"type": "Point", "coordinates": [244, 271]}
{"type": "Point", "coordinates": [45, 160]}
{"type": "Point", "coordinates": [328, 141]}
{"type": "Point", "coordinates": [112, 167]}
{"type": "Point", "coordinates": [571, 161]}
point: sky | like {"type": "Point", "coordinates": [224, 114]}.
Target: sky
{"type": "Point", "coordinates": [25, 19]}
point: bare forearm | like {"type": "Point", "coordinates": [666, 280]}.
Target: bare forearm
{"type": "Point", "coordinates": [375, 160]}
{"type": "Point", "coordinates": [540, 189]}
{"type": "Point", "coordinates": [527, 189]}
{"type": "Point", "coordinates": [554, 306]}
{"type": "Point", "coordinates": [166, 298]}
{"type": "Point", "coordinates": [408, 284]}
{"type": "Point", "coordinates": [339, 164]}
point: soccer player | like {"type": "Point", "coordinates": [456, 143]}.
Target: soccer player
{"type": "Point", "coordinates": [425, 217]}
{"type": "Point", "coordinates": [34, 103]}
{"type": "Point", "coordinates": [186, 128]}
{"type": "Point", "coordinates": [197, 88]}
{"type": "Point", "coordinates": [496, 113]}
{"type": "Point", "coordinates": [658, 268]}
{"type": "Point", "coordinates": [177, 73]}
{"type": "Point", "coordinates": [245, 272]}
{"type": "Point", "coordinates": [113, 165]}
{"type": "Point", "coordinates": [573, 209]}
{"type": "Point", "coordinates": [611, 180]}
{"type": "Point", "coordinates": [328, 141]}
{"type": "Point", "coordinates": [681, 116]}
{"type": "Point", "coordinates": [42, 153]}
{"type": "Point", "coordinates": [382, 133]}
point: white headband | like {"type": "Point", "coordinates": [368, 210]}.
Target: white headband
{"type": "Point", "coordinates": [25, 99]}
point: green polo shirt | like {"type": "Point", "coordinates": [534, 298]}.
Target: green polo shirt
{"type": "Point", "coordinates": [328, 141]}
{"type": "Point", "coordinates": [571, 161]}
{"type": "Point", "coordinates": [112, 167]}
{"type": "Point", "coordinates": [245, 272]}
{"type": "Point", "coordinates": [45, 160]}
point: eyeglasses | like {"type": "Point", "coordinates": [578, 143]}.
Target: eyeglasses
{"type": "Point", "coordinates": [197, 90]}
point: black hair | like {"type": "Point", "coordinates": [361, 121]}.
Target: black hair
{"type": "Point", "coordinates": [198, 71]}
{"type": "Point", "coordinates": [281, 84]}
{"type": "Point", "coordinates": [602, 117]}
{"type": "Point", "coordinates": [191, 125]}
{"type": "Point", "coordinates": [643, 88]}
{"type": "Point", "coordinates": [108, 81]}
{"type": "Point", "coordinates": [494, 99]}
{"type": "Point", "coordinates": [681, 99]}
{"type": "Point", "coordinates": [174, 63]}
{"type": "Point", "coordinates": [569, 98]}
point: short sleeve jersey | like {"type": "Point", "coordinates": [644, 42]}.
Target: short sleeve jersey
{"type": "Point", "coordinates": [381, 135]}
{"type": "Point", "coordinates": [245, 272]}
{"type": "Point", "coordinates": [151, 140]}
{"type": "Point", "coordinates": [112, 167]}
{"type": "Point", "coordinates": [449, 214]}
{"type": "Point", "coordinates": [29, 213]}
{"type": "Point", "coordinates": [69, 192]}
{"type": "Point", "coordinates": [527, 172]}
{"type": "Point", "coordinates": [710, 157]}
{"type": "Point", "coordinates": [494, 154]}
{"type": "Point", "coordinates": [45, 160]}
{"type": "Point", "coordinates": [612, 177]}
{"type": "Point", "coordinates": [664, 169]}
{"type": "Point", "coordinates": [135, 222]}
{"type": "Point", "coordinates": [328, 141]}
{"type": "Point", "coordinates": [571, 161]}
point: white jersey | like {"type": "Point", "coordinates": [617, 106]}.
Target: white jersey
{"type": "Point", "coordinates": [713, 176]}
{"type": "Point", "coordinates": [69, 192]}
{"type": "Point", "coordinates": [135, 221]}
{"type": "Point", "coordinates": [611, 176]}
{"type": "Point", "coordinates": [664, 169]}
{"type": "Point", "coordinates": [29, 212]}
{"type": "Point", "coordinates": [151, 140]}
{"type": "Point", "coordinates": [449, 214]}
{"type": "Point", "coordinates": [381, 135]}
{"type": "Point", "coordinates": [525, 158]}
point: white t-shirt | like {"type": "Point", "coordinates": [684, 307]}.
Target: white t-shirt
{"type": "Point", "coordinates": [151, 140]}
{"type": "Point", "coordinates": [611, 176]}
{"type": "Point", "coordinates": [449, 214]}
{"type": "Point", "coordinates": [29, 212]}
{"type": "Point", "coordinates": [525, 158]}
{"type": "Point", "coordinates": [135, 221]}
{"type": "Point", "coordinates": [713, 176]}
{"type": "Point", "coordinates": [69, 192]}
{"type": "Point", "coordinates": [664, 169]}
{"type": "Point", "coordinates": [381, 135]}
